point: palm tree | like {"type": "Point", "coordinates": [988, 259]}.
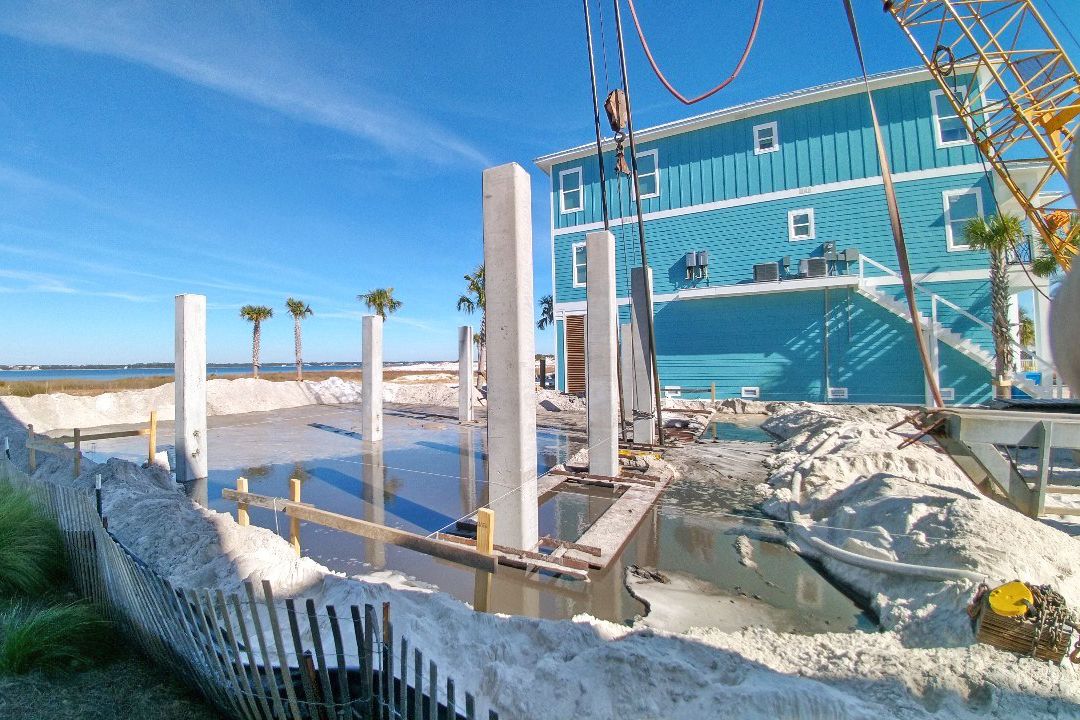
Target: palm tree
{"type": "Point", "coordinates": [1026, 332]}
{"type": "Point", "coordinates": [299, 310]}
{"type": "Point", "coordinates": [547, 312]}
{"type": "Point", "coordinates": [997, 234]}
{"type": "Point", "coordinates": [256, 314]}
{"type": "Point", "coordinates": [472, 300]}
{"type": "Point", "coordinates": [1061, 222]}
{"type": "Point", "coordinates": [381, 300]}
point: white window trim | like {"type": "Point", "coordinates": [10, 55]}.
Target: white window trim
{"type": "Point", "coordinates": [950, 242]}
{"type": "Point", "coordinates": [775, 135]}
{"type": "Point", "coordinates": [656, 165]}
{"type": "Point", "coordinates": [574, 265]}
{"type": "Point", "coordinates": [562, 192]}
{"type": "Point", "coordinates": [938, 142]}
{"type": "Point", "coordinates": [791, 225]}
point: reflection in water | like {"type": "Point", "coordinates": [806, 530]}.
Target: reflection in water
{"type": "Point", "coordinates": [422, 478]}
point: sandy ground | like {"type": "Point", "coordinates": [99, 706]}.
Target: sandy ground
{"type": "Point", "coordinates": [838, 477]}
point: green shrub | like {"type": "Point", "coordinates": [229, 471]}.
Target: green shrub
{"type": "Point", "coordinates": [31, 555]}
{"type": "Point", "coordinates": [52, 637]}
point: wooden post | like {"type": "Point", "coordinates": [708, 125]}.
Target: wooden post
{"type": "Point", "coordinates": [712, 391]}
{"type": "Point", "coordinates": [485, 531]}
{"type": "Point", "coordinates": [242, 507]}
{"type": "Point", "coordinates": [294, 524]}
{"type": "Point", "coordinates": [77, 433]}
{"type": "Point", "coordinates": [153, 440]}
{"type": "Point", "coordinates": [33, 452]}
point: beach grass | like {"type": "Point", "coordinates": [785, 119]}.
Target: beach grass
{"type": "Point", "coordinates": [31, 554]}
{"type": "Point", "coordinates": [53, 636]}
{"type": "Point", "coordinates": [80, 386]}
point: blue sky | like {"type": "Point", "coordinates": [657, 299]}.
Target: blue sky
{"type": "Point", "coordinates": [255, 150]}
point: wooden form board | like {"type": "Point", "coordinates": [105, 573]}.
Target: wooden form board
{"type": "Point", "coordinates": [373, 531]}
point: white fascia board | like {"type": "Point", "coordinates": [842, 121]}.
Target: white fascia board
{"type": "Point", "coordinates": [779, 195]}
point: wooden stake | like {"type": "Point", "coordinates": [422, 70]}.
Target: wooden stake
{"type": "Point", "coordinates": [153, 439]}
{"type": "Point", "coordinates": [242, 518]}
{"type": "Point", "coordinates": [77, 434]}
{"type": "Point", "coordinates": [33, 453]}
{"type": "Point", "coordinates": [294, 523]}
{"type": "Point", "coordinates": [485, 530]}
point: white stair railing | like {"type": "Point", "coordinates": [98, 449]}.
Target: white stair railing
{"type": "Point", "coordinates": [1046, 367]}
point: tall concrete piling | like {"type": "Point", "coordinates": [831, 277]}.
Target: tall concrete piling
{"type": "Point", "coordinates": [602, 390]}
{"type": "Point", "coordinates": [511, 399]}
{"type": "Point", "coordinates": [465, 374]}
{"type": "Point", "coordinates": [644, 405]}
{"type": "Point", "coordinates": [371, 390]}
{"type": "Point", "coordinates": [190, 398]}
{"type": "Point", "coordinates": [626, 358]}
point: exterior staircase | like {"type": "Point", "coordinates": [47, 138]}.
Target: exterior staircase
{"type": "Point", "coordinates": [965, 346]}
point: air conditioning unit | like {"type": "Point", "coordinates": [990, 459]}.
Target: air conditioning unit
{"type": "Point", "coordinates": [766, 272]}
{"type": "Point", "coordinates": [750, 393]}
{"type": "Point", "coordinates": [814, 267]}
{"type": "Point", "coordinates": [836, 393]}
{"type": "Point", "coordinates": [691, 265]}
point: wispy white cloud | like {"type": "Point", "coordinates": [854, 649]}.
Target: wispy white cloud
{"type": "Point", "coordinates": [239, 55]}
{"type": "Point", "coordinates": [36, 282]}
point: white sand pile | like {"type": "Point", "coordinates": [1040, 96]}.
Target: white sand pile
{"type": "Point", "coordinates": [229, 397]}
{"type": "Point", "coordinates": [841, 478]}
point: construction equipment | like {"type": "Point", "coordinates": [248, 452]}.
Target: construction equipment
{"type": "Point", "coordinates": [1025, 619]}
{"type": "Point", "coordinates": [1021, 93]}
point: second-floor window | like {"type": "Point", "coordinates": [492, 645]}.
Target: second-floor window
{"type": "Point", "coordinates": [580, 266]}
{"type": "Point", "coordinates": [766, 139]}
{"type": "Point", "coordinates": [648, 165]}
{"type": "Point", "coordinates": [960, 207]}
{"type": "Point", "coordinates": [949, 130]}
{"type": "Point", "coordinates": [571, 192]}
{"type": "Point", "coordinates": [800, 224]}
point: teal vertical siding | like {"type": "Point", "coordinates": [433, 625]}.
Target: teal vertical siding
{"type": "Point", "coordinates": [820, 142]}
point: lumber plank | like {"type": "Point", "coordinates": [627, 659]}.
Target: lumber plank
{"type": "Point", "coordinates": [548, 541]}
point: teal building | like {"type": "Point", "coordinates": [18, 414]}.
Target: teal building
{"type": "Point", "coordinates": [774, 271]}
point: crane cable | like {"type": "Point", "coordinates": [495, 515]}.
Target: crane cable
{"type": "Point", "coordinates": [894, 219]}
{"type": "Point", "coordinates": [667, 84]}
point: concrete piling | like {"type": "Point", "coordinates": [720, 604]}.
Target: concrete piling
{"type": "Point", "coordinates": [641, 389]}
{"type": "Point", "coordinates": [190, 372]}
{"type": "Point", "coordinates": [511, 398]}
{"type": "Point", "coordinates": [371, 393]}
{"type": "Point", "coordinates": [602, 390]}
{"type": "Point", "coordinates": [465, 374]}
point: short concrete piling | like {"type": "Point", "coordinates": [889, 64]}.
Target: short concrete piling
{"type": "Point", "coordinates": [371, 393]}
{"type": "Point", "coordinates": [465, 374]}
{"type": "Point", "coordinates": [190, 372]}
{"type": "Point", "coordinates": [602, 390]}
{"type": "Point", "coordinates": [641, 389]}
{"type": "Point", "coordinates": [511, 398]}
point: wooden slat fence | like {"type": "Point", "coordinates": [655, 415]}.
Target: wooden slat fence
{"type": "Point", "coordinates": [251, 655]}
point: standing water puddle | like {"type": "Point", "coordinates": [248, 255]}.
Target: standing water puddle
{"type": "Point", "coordinates": [428, 474]}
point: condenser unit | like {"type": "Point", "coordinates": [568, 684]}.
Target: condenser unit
{"type": "Point", "coordinates": [766, 272]}
{"type": "Point", "coordinates": [814, 267]}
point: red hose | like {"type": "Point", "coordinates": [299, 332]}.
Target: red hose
{"type": "Point", "coordinates": [718, 88]}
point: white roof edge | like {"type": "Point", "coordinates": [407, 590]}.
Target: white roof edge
{"type": "Point", "coordinates": [749, 109]}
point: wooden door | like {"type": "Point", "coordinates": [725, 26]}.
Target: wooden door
{"type": "Point", "coordinates": [575, 354]}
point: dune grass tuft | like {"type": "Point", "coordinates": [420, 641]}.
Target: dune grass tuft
{"type": "Point", "coordinates": [31, 555]}
{"type": "Point", "coordinates": [52, 637]}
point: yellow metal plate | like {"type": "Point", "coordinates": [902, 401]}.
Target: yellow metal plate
{"type": "Point", "coordinates": [1011, 599]}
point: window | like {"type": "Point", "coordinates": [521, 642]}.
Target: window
{"type": "Point", "coordinates": [648, 174]}
{"type": "Point", "coordinates": [949, 130]}
{"type": "Point", "coordinates": [578, 255]}
{"type": "Point", "coordinates": [571, 193]}
{"type": "Point", "coordinates": [960, 206]}
{"type": "Point", "coordinates": [800, 224]}
{"type": "Point", "coordinates": [766, 139]}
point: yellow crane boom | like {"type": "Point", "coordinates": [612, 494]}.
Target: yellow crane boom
{"type": "Point", "coordinates": [1022, 94]}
